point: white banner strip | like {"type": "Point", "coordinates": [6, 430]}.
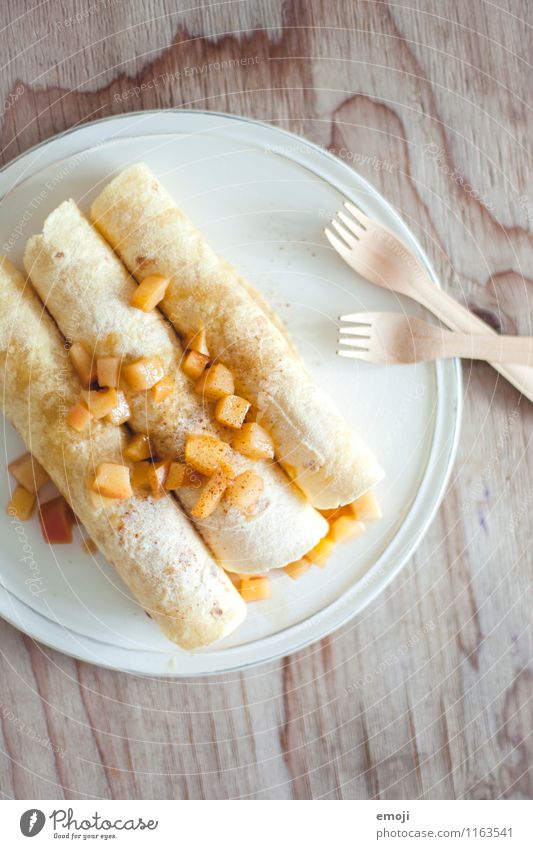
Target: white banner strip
{"type": "Point", "coordinates": [268, 824]}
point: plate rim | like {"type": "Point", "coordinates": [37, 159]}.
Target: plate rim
{"type": "Point", "coordinates": [453, 378]}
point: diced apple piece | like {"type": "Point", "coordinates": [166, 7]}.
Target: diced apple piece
{"type": "Point", "coordinates": [108, 371]}
{"type": "Point", "coordinates": [255, 588]}
{"type": "Point", "coordinates": [231, 410]}
{"type": "Point", "coordinates": [163, 388]}
{"type": "Point", "coordinates": [100, 501]}
{"type": "Point", "coordinates": [215, 382]}
{"type": "Point", "coordinates": [84, 363]}
{"type": "Point", "coordinates": [28, 472]}
{"type": "Point", "coordinates": [344, 528]}
{"type": "Point", "coordinates": [150, 292]}
{"type": "Point", "coordinates": [100, 402]}
{"type": "Point", "coordinates": [366, 508]}
{"type": "Point", "coordinates": [112, 480]}
{"type": "Point", "coordinates": [140, 475]}
{"type": "Point", "coordinates": [157, 475]}
{"type": "Point", "coordinates": [210, 495]}
{"type": "Point", "coordinates": [56, 519]}
{"type": "Point", "coordinates": [321, 553]}
{"type": "Point", "coordinates": [297, 569]}
{"type": "Point", "coordinates": [254, 441]}
{"type": "Point", "coordinates": [121, 412]}
{"type": "Point", "coordinates": [138, 448]}
{"type": "Point", "coordinates": [236, 578]}
{"type": "Point", "coordinates": [207, 453]}
{"type": "Point", "coordinates": [193, 364]}
{"type": "Point", "coordinates": [79, 417]}
{"type": "Point", "coordinates": [193, 479]}
{"type": "Point", "coordinates": [21, 503]}
{"type": "Point", "coordinates": [197, 342]}
{"type": "Point", "coordinates": [89, 546]}
{"type": "Point", "coordinates": [244, 492]}
{"type": "Point", "coordinates": [290, 470]}
{"type": "Point", "coordinates": [176, 476]}
{"type": "Point", "coordinates": [335, 512]}
{"type": "Point", "coordinates": [144, 373]}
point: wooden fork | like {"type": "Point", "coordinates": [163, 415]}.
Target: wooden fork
{"type": "Point", "coordinates": [382, 258]}
{"type": "Point", "coordinates": [387, 337]}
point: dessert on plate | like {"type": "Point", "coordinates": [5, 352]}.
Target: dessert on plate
{"type": "Point", "coordinates": [150, 542]}
{"type": "Point", "coordinates": [140, 220]}
{"type": "Point", "coordinates": [164, 398]}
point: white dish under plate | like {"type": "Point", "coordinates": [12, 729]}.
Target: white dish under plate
{"type": "Point", "coordinates": [262, 197]}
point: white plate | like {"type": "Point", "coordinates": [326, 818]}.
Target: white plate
{"type": "Point", "coordinates": [262, 197]}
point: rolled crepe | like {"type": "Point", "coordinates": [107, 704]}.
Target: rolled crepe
{"type": "Point", "coordinates": [139, 218]}
{"type": "Point", "coordinates": [88, 291]}
{"type": "Point", "coordinates": [150, 543]}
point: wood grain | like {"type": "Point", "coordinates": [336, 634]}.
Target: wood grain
{"type": "Point", "coordinates": [427, 693]}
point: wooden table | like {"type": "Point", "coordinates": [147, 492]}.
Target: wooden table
{"type": "Point", "coordinates": [425, 694]}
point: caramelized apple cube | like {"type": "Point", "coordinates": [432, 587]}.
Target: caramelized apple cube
{"type": "Point", "coordinates": [215, 382]}
{"type": "Point", "coordinates": [89, 546]}
{"type": "Point", "coordinates": [140, 475]}
{"type": "Point", "coordinates": [157, 475]}
{"type": "Point", "coordinates": [297, 569]}
{"type": "Point", "coordinates": [192, 478]}
{"type": "Point", "coordinates": [56, 519]}
{"type": "Point", "coordinates": [197, 342]}
{"type": "Point", "coordinates": [28, 472]}
{"type": "Point", "coordinates": [366, 508]}
{"type": "Point", "coordinates": [321, 553]}
{"type": "Point", "coordinates": [236, 578]}
{"type": "Point", "coordinates": [112, 480]}
{"type": "Point", "coordinates": [79, 417]}
{"type": "Point", "coordinates": [163, 388]}
{"type": "Point", "coordinates": [108, 371]}
{"type": "Point", "coordinates": [138, 448]}
{"type": "Point", "coordinates": [210, 495]}
{"type": "Point", "coordinates": [100, 502]}
{"type": "Point", "coordinates": [255, 588]}
{"type": "Point", "coordinates": [176, 476]}
{"type": "Point", "coordinates": [84, 364]}
{"type": "Point", "coordinates": [253, 441]}
{"type": "Point", "coordinates": [100, 402]}
{"type": "Point", "coordinates": [290, 470]}
{"type": "Point", "coordinates": [21, 503]}
{"type": "Point", "coordinates": [144, 373]}
{"type": "Point", "coordinates": [231, 410]}
{"type": "Point", "coordinates": [344, 528]}
{"type": "Point", "coordinates": [244, 492]}
{"type": "Point", "coordinates": [121, 411]}
{"type": "Point", "coordinates": [150, 292]}
{"type": "Point", "coordinates": [194, 364]}
{"type": "Point", "coordinates": [207, 453]}
{"type": "Point", "coordinates": [334, 512]}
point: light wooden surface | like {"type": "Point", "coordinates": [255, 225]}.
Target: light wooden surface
{"type": "Point", "coordinates": [426, 693]}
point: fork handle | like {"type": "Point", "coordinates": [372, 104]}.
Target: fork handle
{"type": "Point", "coordinates": [492, 348]}
{"type": "Point", "coordinates": [457, 317]}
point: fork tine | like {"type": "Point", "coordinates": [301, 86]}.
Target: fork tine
{"type": "Point", "coordinates": [353, 225]}
{"type": "Point", "coordinates": [346, 235]}
{"type": "Point", "coordinates": [362, 330]}
{"type": "Point", "coordinates": [355, 355]}
{"type": "Point", "coordinates": [353, 343]}
{"type": "Point", "coordinates": [359, 317]}
{"type": "Point", "coordinates": [336, 243]}
{"type": "Point", "coordinates": [362, 219]}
